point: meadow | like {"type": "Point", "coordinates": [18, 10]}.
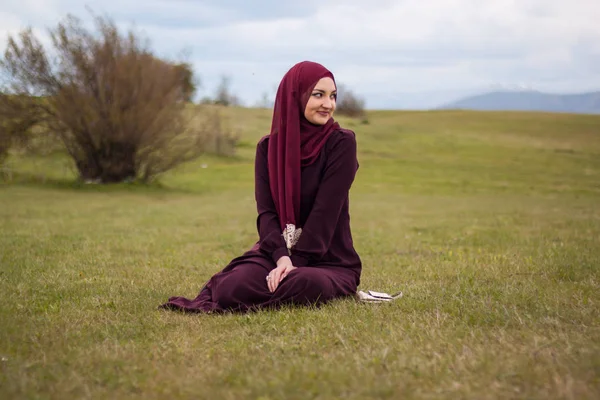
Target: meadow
{"type": "Point", "coordinates": [488, 222]}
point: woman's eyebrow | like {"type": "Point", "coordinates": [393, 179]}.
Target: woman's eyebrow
{"type": "Point", "coordinates": [323, 91]}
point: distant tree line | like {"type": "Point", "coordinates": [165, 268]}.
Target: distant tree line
{"type": "Point", "coordinates": [223, 95]}
{"type": "Point", "coordinates": [348, 103]}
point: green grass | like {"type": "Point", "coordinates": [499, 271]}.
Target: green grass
{"type": "Point", "coordinates": [488, 222]}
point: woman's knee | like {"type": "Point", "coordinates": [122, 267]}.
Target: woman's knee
{"type": "Point", "coordinates": [309, 283]}
{"type": "Point", "coordinates": [238, 286]}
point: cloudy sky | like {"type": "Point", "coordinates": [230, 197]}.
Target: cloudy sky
{"type": "Point", "coordinates": [394, 53]}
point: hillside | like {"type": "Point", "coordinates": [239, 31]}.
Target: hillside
{"type": "Point", "coordinates": [584, 103]}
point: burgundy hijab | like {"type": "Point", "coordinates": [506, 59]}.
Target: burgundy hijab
{"type": "Point", "coordinates": [294, 141]}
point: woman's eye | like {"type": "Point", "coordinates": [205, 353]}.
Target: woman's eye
{"type": "Point", "coordinates": [317, 94]}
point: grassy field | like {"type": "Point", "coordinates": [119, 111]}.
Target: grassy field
{"type": "Point", "coordinates": [488, 222]}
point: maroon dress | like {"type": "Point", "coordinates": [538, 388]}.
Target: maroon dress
{"type": "Point", "coordinates": [328, 265]}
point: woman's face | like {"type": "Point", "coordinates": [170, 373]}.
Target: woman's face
{"type": "Point", "coordinates": [321, 102]}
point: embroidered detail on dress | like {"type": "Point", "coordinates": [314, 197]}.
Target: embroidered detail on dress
{"type": "Point", "coordinates": [291, 236]}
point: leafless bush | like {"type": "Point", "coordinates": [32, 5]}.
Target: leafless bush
{"type": "Point", "coordinates": [188, 81]}
{"type": "Point", "coordinates": [119, 110]}
{"type": "Point", "coordinates": [223, 96]}
{"type": "Point", "coordinates": [348, 103]}
{"type": "Point", "coordinates": [18, 116]}
{"type": "Point", "coordinates": [5, 144]}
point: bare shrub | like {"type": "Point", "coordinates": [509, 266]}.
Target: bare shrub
{"type": "Point", "coordinates": [348, 103]}
{"type": "Point", "coordinates": [189, 83]}
{"type": "Point", "coordinates": [18, 117]}
{"type": "Point", "coordinates": [5, 144]}
{"type": "Point", "coordinates": [119, 110]}
{"type": "Point", "coordinates": [223, 96]}
{"type": "Point", "coordinates": [224, 139]}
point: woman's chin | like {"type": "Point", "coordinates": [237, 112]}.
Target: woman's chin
{"type": "Point", "coordinates": [320, 120]}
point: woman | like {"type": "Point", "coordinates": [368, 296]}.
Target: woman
{"type": "Point", "coordinates": [303, 172]}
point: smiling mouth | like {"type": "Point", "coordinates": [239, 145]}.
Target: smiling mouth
{"type": "Point", "coordinates": [323, 113]}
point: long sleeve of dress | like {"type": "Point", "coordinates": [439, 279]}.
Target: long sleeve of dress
{"type": "Point", "coordinates": [338, 175]}
{"type": "Point", "coordinates": [267, 222]}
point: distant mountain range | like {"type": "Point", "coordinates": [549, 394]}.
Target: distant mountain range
{"type": "Point", "coordinates": [584, 103]}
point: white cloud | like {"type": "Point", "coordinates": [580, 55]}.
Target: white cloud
{"type": "Point", "coordinates": [381, 48]}
{"type": "Point", "coordinates": [9, 22]}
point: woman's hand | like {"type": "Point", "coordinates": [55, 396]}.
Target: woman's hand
{"type": "Point", "coordinates": [284, 267]}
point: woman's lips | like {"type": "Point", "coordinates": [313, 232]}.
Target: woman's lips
{"type": "Point", "coordinates": [324, 114]}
